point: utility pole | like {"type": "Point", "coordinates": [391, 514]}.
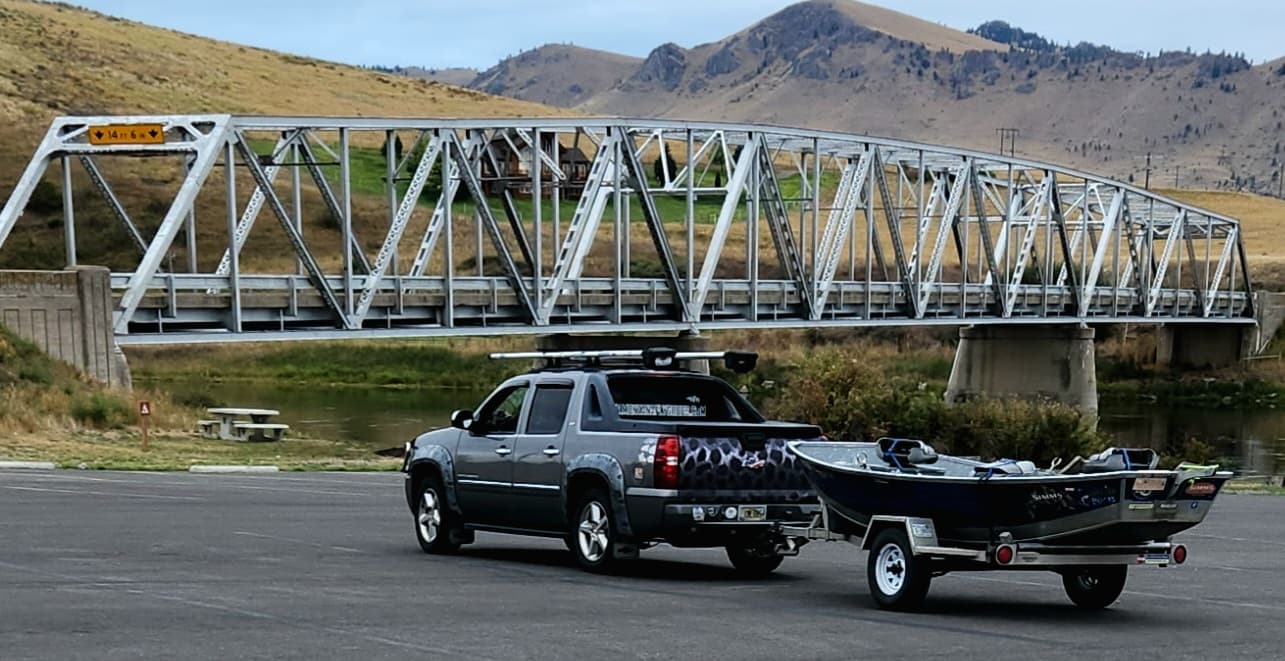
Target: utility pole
{"type": "Point", "coordinates": [1176, 170]}
{"type": "Point", "coordinates": [1280, 182]}
{"type": "Point", "coordinates": [1008, 136]}
{"type": "Point", "coordinates": [1147, 170]}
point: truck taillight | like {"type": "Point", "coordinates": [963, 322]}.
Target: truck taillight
{"type": "Point", "coordinates": [665, 474]}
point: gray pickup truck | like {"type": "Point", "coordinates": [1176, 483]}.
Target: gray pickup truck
{"type": "Point", "coordinates": [614, 452]}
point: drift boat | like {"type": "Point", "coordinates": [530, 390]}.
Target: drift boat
{"type": "Point", "coordinates": [923, 514]}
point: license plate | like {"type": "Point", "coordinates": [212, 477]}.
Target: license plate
{"type": "Point", "coordinates": [753, 513]}
{"type": "Point", "coordinates": [1149, 484]}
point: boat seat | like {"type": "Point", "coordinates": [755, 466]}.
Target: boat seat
{"type": "Point", "coordinates": [1006, 467]}
{"type": "Point", "coordinates": [1120, 459]}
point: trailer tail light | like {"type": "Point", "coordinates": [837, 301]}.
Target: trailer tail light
{"type": "Point", "coordinates": [1179, 554]}
{"type": "Point", "coordinates": [1005, 554]}
{"type": "Point", "coordinates": [665, 473]}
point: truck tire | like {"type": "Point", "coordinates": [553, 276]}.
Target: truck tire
{"type": "Point", "coordinates": [753, 560]}
{"type": "Point", "coordinates": [437, 528]}
{"type": "Point", "coordinates": [593, 535]}
{"type": "Point", "coordinates": [898, 579]}
{"type": "Point", "coordinates": [1095, 588]}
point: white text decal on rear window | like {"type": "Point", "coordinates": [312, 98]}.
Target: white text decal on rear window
{"type": "Point", "coordinates": [661, 411]}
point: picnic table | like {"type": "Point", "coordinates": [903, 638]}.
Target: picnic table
{"type": "Point", "coordinates": [229, 424]}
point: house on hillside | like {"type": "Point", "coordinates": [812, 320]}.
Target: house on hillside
{"type": "Point", "coordinates": [514, 167]}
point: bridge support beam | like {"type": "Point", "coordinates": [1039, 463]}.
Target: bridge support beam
{"type": "Point", "coordinates": [684, 341]}
{"type": "Point", "coordinates": [68, 314]}
{"type": "Point", "coordinates": [1028, 362]}
{"type": "Point", "coordinates": [1200, 346]}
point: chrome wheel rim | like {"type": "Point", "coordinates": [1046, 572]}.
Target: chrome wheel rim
{"type": "Point", "coordinates": [429, 519]}
{"type": "Point", "coordinates": [890, 569]}
{"type": "Point", "coordinates": [591, 534]}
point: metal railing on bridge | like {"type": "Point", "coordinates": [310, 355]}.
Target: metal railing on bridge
{"type": "Point", "coordinates": [576, 224]}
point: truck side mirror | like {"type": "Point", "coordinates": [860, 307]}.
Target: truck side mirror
{"type": "Point", "coordinates": [462, 419]}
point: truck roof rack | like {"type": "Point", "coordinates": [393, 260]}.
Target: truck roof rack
{"type": "Point", "coordinates": [661, 358]}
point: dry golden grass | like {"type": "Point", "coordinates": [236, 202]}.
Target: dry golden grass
{"type": "Point", "coordinates": [58, 58]}
{"type": "Point", "coordinates": [1262, 220]}
{"type": "Point", "coordinates": [169, 450]}
{"type": "Point", "coordinates": [909, 28]}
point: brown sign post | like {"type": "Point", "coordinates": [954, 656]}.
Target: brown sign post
{"type": "Point", "coordinates": [144, 412]}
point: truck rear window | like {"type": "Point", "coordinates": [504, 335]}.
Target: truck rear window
{"type": "Point", "coordinates": [678, 397]}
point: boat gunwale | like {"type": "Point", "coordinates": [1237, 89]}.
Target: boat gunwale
{"type": "Point", "coordinates": [983, 479]}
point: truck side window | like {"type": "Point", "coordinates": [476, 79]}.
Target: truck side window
{"type": "Point", "coordinates": [500, 413]}
{"type": "Point", "coordinates": [548, 408]}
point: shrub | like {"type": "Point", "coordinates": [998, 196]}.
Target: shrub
{"type": "Point", "coordinates": [100, 410]}
{"type": "Point", "coordinates": [857, 393]}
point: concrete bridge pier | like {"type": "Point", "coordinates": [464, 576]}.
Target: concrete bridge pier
{"type": "Point", "coordinates": [1203, 346]}
{"type": "Point", "coordinates": [1026, 362]}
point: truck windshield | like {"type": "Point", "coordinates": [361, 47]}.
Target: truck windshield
{"type": "Point", "coordinates": [678, 397]}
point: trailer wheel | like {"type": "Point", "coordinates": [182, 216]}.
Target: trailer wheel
{"type": "Point", "coordinates": [1095, 587]}
{"type": "Point", "coordinates": [898, 580]}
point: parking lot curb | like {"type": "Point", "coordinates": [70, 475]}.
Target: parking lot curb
{"type": "Point", "coordinates": [233, 469]}
{"type": "Point", "coordinates": [27, 465]}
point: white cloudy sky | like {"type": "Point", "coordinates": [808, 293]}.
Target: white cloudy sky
{"type": "Point", "coordinates": [477, 33]}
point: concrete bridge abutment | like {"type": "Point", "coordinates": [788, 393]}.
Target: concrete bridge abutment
{"type": "Point", "coordinates": [1026, 362]}
{"type": "Point", "coordinates": [68, 314]}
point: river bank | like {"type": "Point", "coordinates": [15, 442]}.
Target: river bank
{"type": "Point", "coordinates": [346, 400]}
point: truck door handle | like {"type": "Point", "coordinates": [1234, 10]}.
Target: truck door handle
{"type": "Point", "coordinates": [503, 451]}
{"type": "Point", "coordinates": [552, 451]}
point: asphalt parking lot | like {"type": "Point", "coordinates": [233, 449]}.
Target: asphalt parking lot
{"type": "Point", "coordinates": [325, 566]}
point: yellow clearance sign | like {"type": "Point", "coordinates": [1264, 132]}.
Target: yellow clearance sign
{"type": "Point", "coordinates": [127, 134]}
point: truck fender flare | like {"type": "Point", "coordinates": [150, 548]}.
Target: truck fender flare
{"type": "Point", "coordinates": [440, 458]}
{"type": "Point", "coordinates": [608, 468]}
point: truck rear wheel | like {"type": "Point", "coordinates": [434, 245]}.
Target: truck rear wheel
{"type": "Point", "coordinates": [898, 580]}
{"type": "Point", "coordinates": [592, 537]}
{"type": "Point", "coordinates": [754, 560]}
{"type": "Point", "coordinates": [1095, 587]}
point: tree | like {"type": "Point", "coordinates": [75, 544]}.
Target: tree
{"type": "Point", "coordinates": [657, 168]}
{"type": "Point", "coordinates": [397, 148]}
{"type": "Point", "coordinates": [433, 185]}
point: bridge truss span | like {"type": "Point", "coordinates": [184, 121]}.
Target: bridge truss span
{"type": "Point", "coordinates": [479, 226]}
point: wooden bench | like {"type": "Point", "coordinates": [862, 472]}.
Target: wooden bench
{"type": "Point", "coordinates": [259, 431]}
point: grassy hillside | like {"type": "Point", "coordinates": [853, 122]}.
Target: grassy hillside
{"type": "Point", "coordinates": [56, 59]}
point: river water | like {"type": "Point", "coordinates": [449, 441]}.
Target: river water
{"type": "Point", "coordinates": [1250, 442]}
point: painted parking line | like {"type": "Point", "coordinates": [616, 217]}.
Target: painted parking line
{"type": "Point", "coordinates": [141, 590]}
{"type": "Point", "coordinates": [291, 540]}
{"type": "Point", "coordinates": [85, 492]}
{"type": "Point", "coordinates": [1138, 593]}
{"type": "Point", "coordinates": [1243, 540]}
{"type": "Point", "coordinates": [219, 482]}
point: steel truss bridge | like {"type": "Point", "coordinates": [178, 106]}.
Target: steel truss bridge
{"type": "Point", "coordinates": [575, 224]}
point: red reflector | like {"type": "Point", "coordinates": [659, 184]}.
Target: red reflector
{"type": "Point", "coordinates": [1179, 554]}
{"type": "Point", "coordinates": [1004, 554]}
{"type": "Point", "coordinates": [665, 473]}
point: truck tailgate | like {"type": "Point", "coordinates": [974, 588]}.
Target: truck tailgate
{"type": "Point", "coordinates": [742, 463]}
